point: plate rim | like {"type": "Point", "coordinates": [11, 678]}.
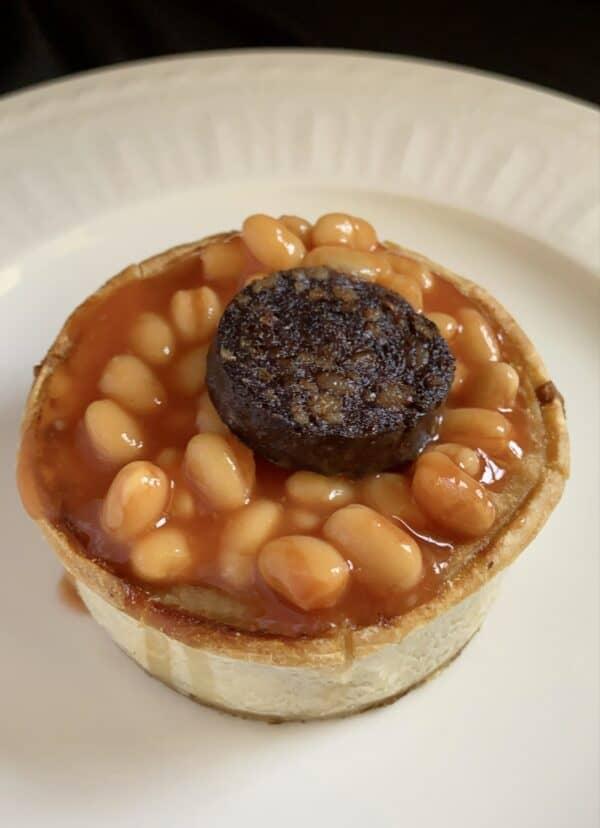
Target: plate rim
{"type": "Point", "coordinates": [506, 133]}
{"type": "Point", "coordinates": [85, 75]}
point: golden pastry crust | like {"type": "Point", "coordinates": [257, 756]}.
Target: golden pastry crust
{"type": "Point", "coordinates": [339, 647]}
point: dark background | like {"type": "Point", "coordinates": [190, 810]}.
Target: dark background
{"type": "Point", "coordinates": [552, 44]}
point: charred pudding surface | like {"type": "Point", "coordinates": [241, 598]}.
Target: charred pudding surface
{"type": "Point", "coordinates": [315, 369]}
{"type": "Point", "coordinates": [128, 457]}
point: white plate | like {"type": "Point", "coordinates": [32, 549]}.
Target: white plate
{"type": "Point", "coordinates": [496, 180]}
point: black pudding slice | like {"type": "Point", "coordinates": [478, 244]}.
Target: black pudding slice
{"type": "Point", "coordinates": [314, 369]}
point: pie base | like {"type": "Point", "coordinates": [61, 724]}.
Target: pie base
{"type": "Point", "coordinates": [277, 693]}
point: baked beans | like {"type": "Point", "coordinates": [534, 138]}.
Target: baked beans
{"type": "Point", "coordinates": [306, 571]}
{"type": "Point", "coordinates": [390, 494]}
{"type": "Point", "coordinates": [136, 499]}
{"type": "Point", "coordinates": [495, 386]}
{"type": "Point", "coordinates": [299, 227]}
{"type": "Point", "coordinates": [244, 533]}
{"type": "Point", "coordinates": [272, 243]}
{"type": "Point", "coordinates": [224, 261]}
{"type": "Point", "coordinates": [163, 555]}
{"type": "Point", "coordinates": [367, 266]}
{"type": "Point", "coordinates": [131, 383]}
{"type": "Point", "coordinates": [451, 498]}
{"type": "Point", "coordinates": [446, 324]}
{"type": "Point", "coordinates": [190, 371]}
{"type": "Point", "coordinates": [477, 428]}
{"type": "Point", "coordinates": [222, 474]}
{"type": "Point", "coordinates": [383, 556]}
{"type": "Point", "coordinates": [114, 434]}
{"type": "Point", "coordinates": [476, 339]}
{"type": "Point", "coordinates": [196, 313]}
{"type": "Point", "coordinates": [318, 491]}
{"type": "Point", "coordinates": [152, 339]}
{"type": "Point", "coordinates": [406, 286]}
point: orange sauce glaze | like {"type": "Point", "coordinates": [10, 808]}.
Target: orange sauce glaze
{"type": "Point", "coordinates": [61, 478]}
